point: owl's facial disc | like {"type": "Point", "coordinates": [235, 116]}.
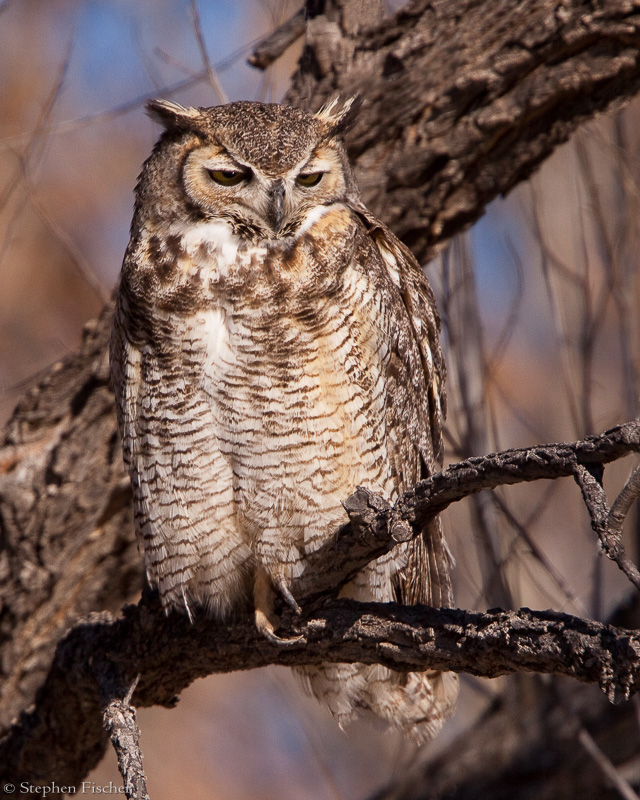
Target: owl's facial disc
{"type": "Point", "coordinates": [262, 203]}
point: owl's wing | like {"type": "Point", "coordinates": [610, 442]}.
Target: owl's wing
{"type": "Point", "coordinates": [417, 406]}
{"type": "Point", "coordinates": [182, 492]}
{"type": "Point", "coordinates": [125, 381]}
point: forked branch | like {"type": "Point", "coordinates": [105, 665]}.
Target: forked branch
{"type": "Point", "coordinates": [377, 526]}
{"type": "Point", "coordinates": [607, 526]}
{"type": "Point", "coordinates": [169, 653]}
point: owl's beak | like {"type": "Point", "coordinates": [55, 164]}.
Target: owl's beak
{"type": "Point", "coordinates": [275, 211]}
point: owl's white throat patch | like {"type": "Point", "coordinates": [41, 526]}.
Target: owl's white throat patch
{"type": "Point", "coordinates": [215, 235]}
{"type": "Point", "coordinates": [311, 218]}
{"type": "Point", "coordinates": [214, 245]}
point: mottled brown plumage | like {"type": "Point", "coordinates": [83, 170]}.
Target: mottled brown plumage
{"type": "Point", "coordinates": [274, 347]}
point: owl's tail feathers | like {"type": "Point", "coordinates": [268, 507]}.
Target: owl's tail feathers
{"type": "Point", "coordinates": [415, 703]}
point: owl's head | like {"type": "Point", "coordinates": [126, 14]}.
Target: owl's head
{"type": "Point", "coordinates": [265, 168]}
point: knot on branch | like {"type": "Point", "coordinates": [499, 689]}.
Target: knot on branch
{"type": "Point", "coordinates": [364, 509]}
{"type": "Point", "coordinates": [374, 518]}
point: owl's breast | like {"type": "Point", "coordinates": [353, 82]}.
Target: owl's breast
{"type": "Point", "coordinates": [299, 398]}
{"type": "Point", "coordinates": [274, 276]}
{"type": "Point", "coordinates": [287, 344]}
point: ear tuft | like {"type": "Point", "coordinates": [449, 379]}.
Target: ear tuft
{"type": "Point", "coordinates": [337, 122]}
{"type": "Point", "coordinates": [171, 115]}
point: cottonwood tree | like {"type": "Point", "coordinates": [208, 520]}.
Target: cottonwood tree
{"type": "Point", "coordinates": [462, 101]}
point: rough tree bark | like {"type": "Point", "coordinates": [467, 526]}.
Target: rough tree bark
{"type": "Point", "coordinates": [462, 100]}
{"type": "Point", "coordinates": [543, 749]}
{"type": "Point", "coordinates": [160, 656]}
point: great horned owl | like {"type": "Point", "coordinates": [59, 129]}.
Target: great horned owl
{"type": "Point", "coordinates": [274, 347]}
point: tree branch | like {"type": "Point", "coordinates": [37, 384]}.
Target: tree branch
{"type": "Point", "coordinates": [119, 718]}
{"type": "Point", "coordinates": [274, 45]}
{"type": "Point", "coordinates": [622, 786]}
{"type": "Point", "coordinates": [169, 654]}
{"type": "Point", "coordinates": [464, 100]}
{"type": "Point", "coordinates": [532, 748]}
{"type": "Point", "coordinates": [590, 482]}
{"type": "Point", "coordinates": [623, 502]}
{"type": "Point", "coordinates": [377, 526]}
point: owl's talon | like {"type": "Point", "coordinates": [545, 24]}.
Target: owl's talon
{"type": "Point", "coordinates": [285, 593]}
{"type": "Point", "coordinates": [266, 628]}
{"type": "Point", "coordinates": [264, 601]}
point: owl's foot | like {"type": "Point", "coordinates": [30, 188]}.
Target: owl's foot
{"type": "Point", "coordinates": [264, 602]}
{"type": "Point", "coordinates": [285, 594]}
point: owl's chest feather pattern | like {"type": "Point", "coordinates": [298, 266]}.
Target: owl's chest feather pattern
{"type": "Point", "coordinates": [285, 345]}
{"type": "Point", "coordinates": [294, 369]}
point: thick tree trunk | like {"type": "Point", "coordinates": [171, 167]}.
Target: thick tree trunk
{"type": "Point", "coordinates": [464, 99]}
{"type": "Point", "coordinates": [65, 517]}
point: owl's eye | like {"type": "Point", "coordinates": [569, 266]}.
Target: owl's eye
{"type": "Point", "coordinates": [309, 178]}
{"type": "Point", "coordinates": [227, 177]}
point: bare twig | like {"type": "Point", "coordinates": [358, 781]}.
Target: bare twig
{"type": "Point", "coordinates": [192, 79]}
{"type": "Point", "coordinates": [33, 149]}
{"type": "Point", "coordinates": [554, 268]}
{"type": "Point", "coordinates": [120, 722]}
{"type": "Point", "coordinates": [622, 786]}
{"type": "Point", "coordinates": [34, 140]}
{"type": "Point", "coordinates": [538, 553]}
{"type": "Point", "coordinates": [212, 75]}
{"type": "Point", "coordinates": [73, 251]}
{"type": "Point", "coordinates": [169, 59]}
{"type": "Point", "coordinates": [590, 482]}
{"type": "Point", "coordinates": [274, 45]}
{"type": "Point", "coordinates": [469, 375]}
{"type": "Point", "coordinates": [623, 502]}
